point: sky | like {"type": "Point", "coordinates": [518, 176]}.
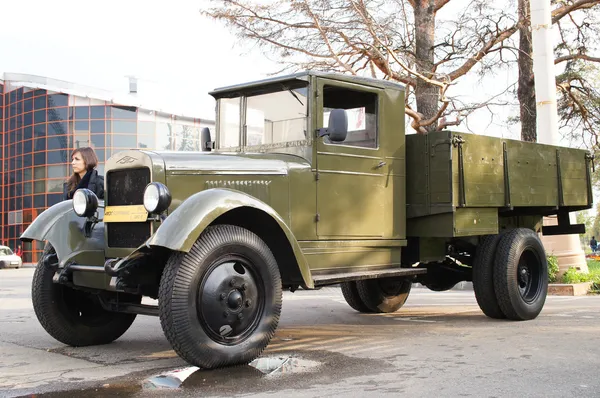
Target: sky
{"type": "Point", "coordinates": [177, 54]}
{"type": "Point", "coordinates": [173, 51]}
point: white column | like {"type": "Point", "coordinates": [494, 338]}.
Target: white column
{"type": "Point", "coordinates": [566, 248]}
{"type": "Point", "coordinates": [543, 70]}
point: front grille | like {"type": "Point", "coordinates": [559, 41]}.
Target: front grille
{"type": "Point", "coordinates": [127, 234]}
{"type": "Point", "coordinates": [126, 187]}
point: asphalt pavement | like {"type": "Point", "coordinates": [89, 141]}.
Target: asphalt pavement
{"type": "Point", "coordinates": [439, 344]}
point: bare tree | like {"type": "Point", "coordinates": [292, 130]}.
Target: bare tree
{"type": "Point", "coordinates": [381, 38]}
{"type": "Point", "coordinates": [578, 100]}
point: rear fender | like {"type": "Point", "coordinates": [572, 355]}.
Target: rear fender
{"type": "Point", "coordinates": [183, 226]}
{"type": "Point", "coordinates": [64, 230]}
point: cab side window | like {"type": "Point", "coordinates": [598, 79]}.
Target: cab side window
{"type": "Point", "coordinates": [361, 108]}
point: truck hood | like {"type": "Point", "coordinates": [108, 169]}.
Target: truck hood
{"type": "Point", "coordinates": [228, 163]}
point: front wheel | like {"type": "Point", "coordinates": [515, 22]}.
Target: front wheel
{"type": "Point", "coordinates": [74, 317]}
{"type": "Point", "coordinates": [219, 304]}
{"type": "Point", "coordinates": [521, 274]}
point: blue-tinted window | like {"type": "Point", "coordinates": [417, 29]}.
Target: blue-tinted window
{"type": "Point", "coordinates": [39, 91]}
{"type": "Point", "coordinates": [39, 116]}
{"type": "Point", "coordinates": [97, 112]}
{"type": "Point", "coordinates": [54, 199]}
{"type": "Point", "coordinates": [39, 158]}
{"type": "Point", "coordinates": [40, 144]}
{"type": "Point", "coordinates": [13, 123]}
{"type": "Point", "coordinates": [57, 128]}
{"type": "Point", "coordinates": [19, 94]}
{"type": "Point", "coordinates": [82, 112]}
{"type": "Point", "coordinates": [28, 146]}
{"type": "Point", "coordinates": [57, 157]}
{"type": "Point", "coordinates": [124, 127]}
{"type": "Point", "coordinates": [13, 96]}
{"type": "Point", "coordinates": [28, 94]}
{"type": "Point", "coordinates": [18, 188]}
{"type": "Point", "coordinates": [28, 104]}
{"type": "Point", "coordinates": [19, 108]}
{"type": "Point", "coordinates": [57, 142]}
{"type": "Point", "coordinates": [27, 160]}
{"type": "Point", "coordinates": [58, 114]}
{"type": "Point", "coordinates": [39, 201]}
{"type": "Point", "coordinates": [98, 140]}
{"type": "Point", "coordinates": [124, 141]}
{"type": "Point", "coordinates": [28, 119]}
{"type": "Point", "coordinates": [27, 188]}
{"type": "Point", "coordinates": [82, 125]}
{"type": "Point", "coordinates": [39, 103]}
{"type": "Point", "coordinates": [39, 130]}
{"type": "Point", "coordinates": [124, 112]}
{"type": "Point", "coordinates": [100, 154]}
{"type": "Point", "coordinates": [97, 126]}
{"type": "Point", "coordinates": [58, 100]}
{"type": "Point", "coordinates": [27, 202]}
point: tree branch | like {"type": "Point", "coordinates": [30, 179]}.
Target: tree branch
{"type": "Point", "coordinates": [439, 4]}
{"type": "Point", "coordinates": [576, 56]}
{"type": "Point", "coordinates": [471, 62]}
{"type": "Point", "coordinates": [559, 13]}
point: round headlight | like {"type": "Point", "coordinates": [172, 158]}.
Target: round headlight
{"type": "Point", "coordinates": [157, 197]}
{"type": "Point", "coordinates": [85, 202]}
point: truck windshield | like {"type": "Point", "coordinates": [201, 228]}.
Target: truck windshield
{"type": "Point", "coordinates": [275, 117]}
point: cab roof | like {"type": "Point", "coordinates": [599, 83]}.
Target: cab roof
{"type": "Point", "coordinates": [237, 89]}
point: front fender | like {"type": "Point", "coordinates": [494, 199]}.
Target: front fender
{"type": "Point", "coordinates": [64, 230]}
{"type": "Point", "coordinates": [182, 228]}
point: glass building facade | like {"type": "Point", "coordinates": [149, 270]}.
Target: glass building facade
{"type": "Point", "coordinates": [40, 127]}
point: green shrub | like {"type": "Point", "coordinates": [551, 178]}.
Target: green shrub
{"type": "Point", "coordinates": [552, 268]}
{"type": "Point", "coordinates": [574, 276]}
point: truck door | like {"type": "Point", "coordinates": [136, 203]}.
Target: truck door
{"type": "Point", "coordinates": [351, 174]}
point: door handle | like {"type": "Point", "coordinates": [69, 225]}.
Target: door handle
{"type": "Point", "coordinates": [381, 164]}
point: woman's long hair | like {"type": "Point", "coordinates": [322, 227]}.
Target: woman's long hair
{"type": "Point", "coordinates": [89, 159]}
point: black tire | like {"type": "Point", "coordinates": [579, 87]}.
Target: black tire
{"type": "Point", "coordinates": [71, 316]}
{"type": "Point", "coordinates": [483, 277]}
{"type": "Point", "coordinates": [228, 271]}
{"type": "Point", "coordinates": [521, 274]}
{"type": "Point", "coordinates": [384, 295]}
{"type": "Point", "coordinates": [350, 292]}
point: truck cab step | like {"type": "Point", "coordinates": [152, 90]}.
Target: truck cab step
{"type": "Point", "coordinates": [328, 279]}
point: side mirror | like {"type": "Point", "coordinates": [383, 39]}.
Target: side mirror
{"type": "Point", "coordinates": [206, 144]}
{"type": "Point", "coordinates": [338, 126]}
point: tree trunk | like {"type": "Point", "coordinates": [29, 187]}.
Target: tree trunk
{"type": "Point", "coordinates": [526, 90]}
{"type": "Point", "coordinates": [427, 94]}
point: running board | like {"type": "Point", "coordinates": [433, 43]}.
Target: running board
{"type": "Point", "coordinates": [329, 279]}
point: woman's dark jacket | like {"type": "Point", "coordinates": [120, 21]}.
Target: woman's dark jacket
{"type": "Point", "coordinates": [92, 181]}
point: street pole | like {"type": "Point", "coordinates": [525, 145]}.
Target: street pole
{"type": "Point", "coordinates": [567, 248]}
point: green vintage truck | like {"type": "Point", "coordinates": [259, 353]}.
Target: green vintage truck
{"type": "Point", "coordinates": [309, 180]}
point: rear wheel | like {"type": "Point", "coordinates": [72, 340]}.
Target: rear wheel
{"type": "Point", "coordinates": [521, 274]}
{"type": "Point", "coordinates": [384, 295]}
{"type": "Point", "coordinates": [483, 277]}
{"type": "Point", "coordinates": [74, 317]}
{"type": "Point", "coordinates": [219, 304]}
{"type": "Point", "coordinates": [350, 292]}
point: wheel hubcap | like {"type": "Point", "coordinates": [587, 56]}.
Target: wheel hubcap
{"type": "Point", "coordinates": [228, 300]}
{"type": "Point", "coordinates": [529, 276]}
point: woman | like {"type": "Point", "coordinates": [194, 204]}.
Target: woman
{"type": "Point", "coordinates": [84, 162]}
